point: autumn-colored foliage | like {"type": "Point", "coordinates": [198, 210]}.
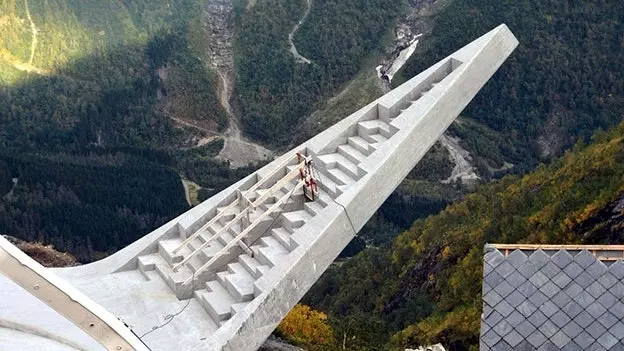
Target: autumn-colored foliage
{"type": "Point", "coordinates": [305, 326]}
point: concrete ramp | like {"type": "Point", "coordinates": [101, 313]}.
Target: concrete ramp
{"type": "Point", "coordinates": [223, 275]}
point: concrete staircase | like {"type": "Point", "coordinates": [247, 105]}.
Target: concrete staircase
{"type": "Point", "coordinates": [339, 169]}
{"type": "Point", "coordinates": [231, 288]}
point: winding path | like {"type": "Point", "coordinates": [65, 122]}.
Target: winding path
{"type": "Point", "coordinates": [293, 49]}
{"type": "Point", "coordinates": [33, 28]}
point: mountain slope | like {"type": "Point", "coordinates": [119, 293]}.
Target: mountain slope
{"type": "Point", "coordinates": [426, 287]}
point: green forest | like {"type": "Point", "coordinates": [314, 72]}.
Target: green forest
{"type": "Point", "coordinates": [276, 91]}
{"type": "Point", "coordinates": [564, 81]}
{"type": "Point", "coordinates": [425, 287]}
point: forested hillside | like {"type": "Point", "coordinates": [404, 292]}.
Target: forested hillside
{"type": "Point", "coordinates": [275, 89]}
{"type": "Point", "coordinates": [426, 287]}
{"type": "Point", "coordinates": [90, 153]}
{"type": "Point", "coordinates": [565, 80]}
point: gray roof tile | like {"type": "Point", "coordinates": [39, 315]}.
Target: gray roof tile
{"type": "Point", "coordinates": [584, 280]}
{"type": "Point", "coordinates": [483, 346]}
{"type": "Point", "coordinates": [502, 346]}
{"type": "Point", "coordinates": [584, 340]}
{"type": "Point", "coordinates": [561, 280]}
{"type": "Point", "coordinates": [517, 258]}
{"type": "Point", "coordinates": [525, 329]}
{"type": "Point", "coordinates": [527, 270]}
{"type": "Point", "coordinates": [515, 298]}
{"type": "Point", "coordinates": [493, 318]}
{"type": "Point", "coordinates": [618, 290]}
{"type": "Point", "coordinates": [607, 340]}
{"type": "Point", "coordinates": [596, 289]}
{"type": "Point", "coordinates": [617, 330]}
{"type": "Point", "coordinates": [493, 279]}
{"type": "Point", "coordinates": [560, 319]}
{"type": "Point", "coordinates": [502, 328]}
{"type": "Point", "coordinates": [485, 287]}
{"type": "Point", "coordinates": [607, 300]}
{"type": "Point", "coordinates": [573, 270]}
{"type": "Point", "coordinates": [513, 338]}
{"type": "Point", "coordinates": [548, 308]}
{"type": "Point", "coordinates": [494, 257]}
{"type": "Point", "coordinates": [503, 288]}
{"type": "Point", "coordinates": [584, 258]}
{"type": "Point", "coordinates": [562, 258]}
{"type": "Point", "coordinates": [550, 270]}
{"type": "Point", "coordinates": [536, 339]}
{"type": "Point", "coordinates": [505, 269]}
{"type": "Point", "coordinates": [584, 299]}
{"type": "Point", "coordinates": [487, 269]}
{"type": "Point", "coordinates": [538, 298]}
{"type": "Point", "coordinates": [537, 318]}
{"type": "Point", "coordinates": [549, 329]}
{"type": "Point", "coordinates": [551, 302]}
{"type": "Point", "coordinates": [560, 339]}
{"type": "Point", "coordinates": [548, 346]}
{"type": "Point", "coordinates": [515, 318]}
{"type": "Point", "coordinates": [573, 289]}
{"type": "Point", "coordinates": [617, 269]}
{"type": "Point", "coordinates": [607, 320]}
{"type": "Point", "coordinates": [596, 269]}
{"type": "Point", "coordinates": [492, 298]}
{"type": "Point", "coordinates": [490, 338]}
{"type": "Point", "coordinates": [595, 309]}
{"type": "Point", "coordinates": [572, 309]}
{"type": "Point", "coordinates": [549, 289]}
{"type": "Point", "coordinates": [504, 308]}
{"type": "Point", "coordinates": [607, 280]}
{"type": "Point", "coordinates": [524, 346]}
{"type": "Point", "coordinates": [618, 309]}
{"type": "Point", "coordinates": [515, 279]}
{"type": "Point", "coordinates": [572, 329]}
{"type": "Point", "coordinates": [539, 258]}
{"type": "Point", "coordinates": [560, 299]}
{"type": "Point", "coordinates": [572, 346]}
{"type": "Point", "coordinates": [595, 329]}
{"type": "Point", "coordinates": [527, 289]}
{"type": "Point", "coordinates": [526, 309]}
{"type": "Point", "coordinates": [584, 319]}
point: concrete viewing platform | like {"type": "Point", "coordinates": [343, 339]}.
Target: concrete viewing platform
{"type": "Point", "coordinates": [222, 275]}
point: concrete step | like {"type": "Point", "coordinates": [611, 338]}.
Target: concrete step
{"type": "Point", "coordinates": [351, 153]}
{"type": "Point", "coordinates": [313, 207]}
{"type": "Point", "coordinates": [337, 160]}
{"type": "Point", "coordinates": [238, 282]}
{"type": "Point", "coordinates": [283, 237]}
{"type": "Point", "coordinates": [165, 249]}
{"type": "Point", "coordinates": [237, 307]}
{"type": "Point", "coordinates": [216, 300]}
{"type": "Point", "coordinates": [329, 186]}
{"type": "Point", "coordinates": [340, 177]}
{"type": "Point", "coordinates": [360, 144]}
{"type": "Point", "coordinates": [251, 264]}
{"type": "Point", "coordinates": [173, 279]}
{"type": "Point", "coordinates": [293, 220]}
{"type": "Point", "coordinates": [375, 126]}
{"type": "Point", "coordinates": [225, 238]}
{"type": "Point", "coordinates": [272, 253]}
{"type": "Point", "coordinates": [374, 139]}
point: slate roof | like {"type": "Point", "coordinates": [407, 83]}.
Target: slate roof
{"type": "Point", "coordinates": [552, 298]}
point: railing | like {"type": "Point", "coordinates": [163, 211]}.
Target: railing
{"type": "Point", "coordinates": [232, 205]}
{"type": "Point", "coordinates": [215, 259]}
{"type": "Point", "coordinates": [244, 213]}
